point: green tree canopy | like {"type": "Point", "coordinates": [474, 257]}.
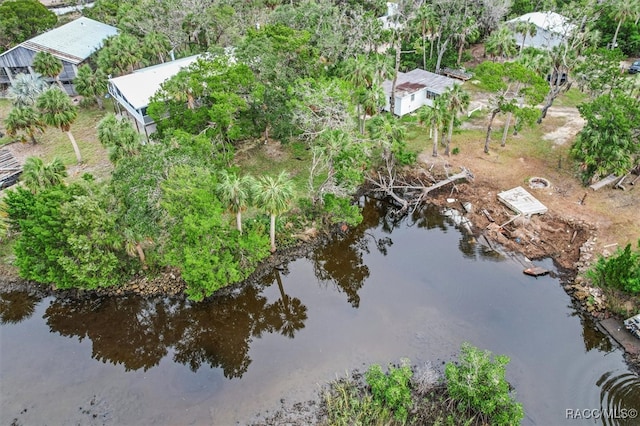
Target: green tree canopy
{"type": "Point", "coordinates": [211, 94]}
{"type": "Point", "coordinates": [609, 142]}
{"type": "Point", "coordinates": [21, 20]}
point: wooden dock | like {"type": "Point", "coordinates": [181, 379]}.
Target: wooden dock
{"type": "Point", "coordinates": [10, 169]}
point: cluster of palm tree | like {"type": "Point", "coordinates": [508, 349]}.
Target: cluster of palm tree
{"type": "Point", "coordinates": [443, 113]}
{"type": "Point", "coordinates": [36, 105]}
{"type": "Point", "coordinates": [366, 74]}
{"type": "Point", "coordinates": [269, 194]}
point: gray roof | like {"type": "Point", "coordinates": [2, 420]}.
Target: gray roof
{"type": "Point", "coordinates": [415, 80]}
{"type": "Point", "coordinates": [73, 42]}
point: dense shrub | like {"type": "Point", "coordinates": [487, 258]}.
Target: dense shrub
{"type": "Point", "coordinates": [479, 385]}
{"type": "Point", "coordinates": [620, 271]}
{"type": "Point", "coordinates": [391, 391]}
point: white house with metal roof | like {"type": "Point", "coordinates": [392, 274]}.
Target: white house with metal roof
{"type": "Point", "coordinates": [72, 43]}
{"type": "Point", "coordinates": [133, 91]}
{"type": "Point", "coordinates": [415, 89]}
{"type": "Point", "coordinates": [551, 29]}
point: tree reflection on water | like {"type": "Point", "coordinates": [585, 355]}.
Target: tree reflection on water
{"type": "Point", "coordinates": [138, 332]}
{"type": "Point", "coordinates": [16, 306]}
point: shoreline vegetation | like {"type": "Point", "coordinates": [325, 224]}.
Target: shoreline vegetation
{"type": "Point", "coordinates": [261, 149]}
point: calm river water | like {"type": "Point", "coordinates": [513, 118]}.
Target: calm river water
{"type": "Point", "coordinates": [415, 288]}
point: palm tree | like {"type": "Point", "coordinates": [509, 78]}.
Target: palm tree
{"type": "Point", "coordinates": [48, 65]}
{"type": "Point", "coordinates": [468, 31]}
{"type": "Point", "coordinates": [623, 10]}
{"type": "Point", "coordinates": [525, 28]}
{"type": "Point", "coordinates": [273, 195]}
{"type": "Point", "coordinates": [36, 175]}
{"type": "Point", "coordinates": [236, 192]}
{"type": "Point", "coordinates": [25, 89]}
{"type": "Point", "coordinates": [58, 111]}
{"type": "Point", "coordinates": [91, 84]}
{"type": "Point", "coordinates": [119, 137]}
{"type": "Point", "coordinates": [360, 73]}
{"type": "Point", "coordinates": [372, 100]}
{"type": "Point", "coordinates": [156, 45]}
{"type": "Point", "coordinates": [501, 43]}
{"type": "Point", "coordinates": [128, 52]}
{"type": "Point", "coordinates": [457, 101]}
{"type": "Point", "coordinates": [435, 116]}
{"type": "Point", "coordinates": [389, 131]}
{"type": "Point", "coordinates": [24, 119]}
{"type": "Point", "coordinates": [425, 18]}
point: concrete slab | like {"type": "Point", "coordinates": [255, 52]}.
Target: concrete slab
{"type": "Point", "coordinates": [520, 201]}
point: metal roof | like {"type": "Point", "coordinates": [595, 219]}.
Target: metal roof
{"type": "Point", "coordinates": [73, 42]}
{"type": "Point", "coordinates": [415, 80]}
{"type": "Point", "coordinates": [549, 21]}
{"type": "Point", "coordinates": [138, 87]}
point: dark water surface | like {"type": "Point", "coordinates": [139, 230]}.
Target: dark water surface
{"type": "Point", "coordinates": [417, 288]}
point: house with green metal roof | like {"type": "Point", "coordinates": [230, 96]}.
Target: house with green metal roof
{"type": "Point", "coordinates": [72, 43]}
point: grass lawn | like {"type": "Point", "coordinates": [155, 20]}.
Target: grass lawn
{"type": "Point", "coordinates": [55, 143]}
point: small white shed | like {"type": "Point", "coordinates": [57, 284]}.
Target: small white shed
{"type": "Point", "coordinates": [415, 89]}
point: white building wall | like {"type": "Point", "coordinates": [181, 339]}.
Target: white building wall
{"type": "Point", "coordinates": [542, 40]}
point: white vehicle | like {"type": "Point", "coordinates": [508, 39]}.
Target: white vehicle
{"type": "Point", "coordinates": [633, 325]}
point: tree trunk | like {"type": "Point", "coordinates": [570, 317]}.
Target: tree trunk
{"type": "Point", "coordinates": [360, 119]}
{"type": "Point", "coordinates": [424, 48]}
{"type": "Point", "coordinates": [507, 123]}
{"type": "Point", "coordinates": [441, 50]}
{"type": "Point", "coordinates": [392, 101]}
{"type": "Point", "coordinates": [272, 233]}
{"type": "Point", "coordinates": [430, 47]}
{"type": "Point", "coordinates": [460, 50]}
{"type": "Point", "coordinates": [615, 36]}
{"type": "Point", "coordinates": [57, 79]}
{"type": "Point", "coordinates": [524, 37]}
{"type": "Point", "coordinates": [140, 252]}
{"type": "Point", "coordinates": [283, 295]}
{"type": "Point", "coordinates": [239, 221]}
{"type": "Point", "coordinates": [435, 141]}
{"type": "Point", "coordinates": [99, 101]}
{"type": "Point", "coordinates": [486, 142]}
{"type": "Point", "coordinates": [33, 137]}
{"type": "Point", "coordinates": [75, 146]}
{"type": "Point", "coordinates": [448, 145]}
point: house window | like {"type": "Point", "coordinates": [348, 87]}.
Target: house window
{"type": "Point", "coordinates": [430, 95]}
{"type": "Point", "coordinates": [413, 97]}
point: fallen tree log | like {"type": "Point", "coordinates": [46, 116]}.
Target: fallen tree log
{"type": "Point", "coordinates": [411, 194]}
{"type": "Point", "coordinates": [464, 174]}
